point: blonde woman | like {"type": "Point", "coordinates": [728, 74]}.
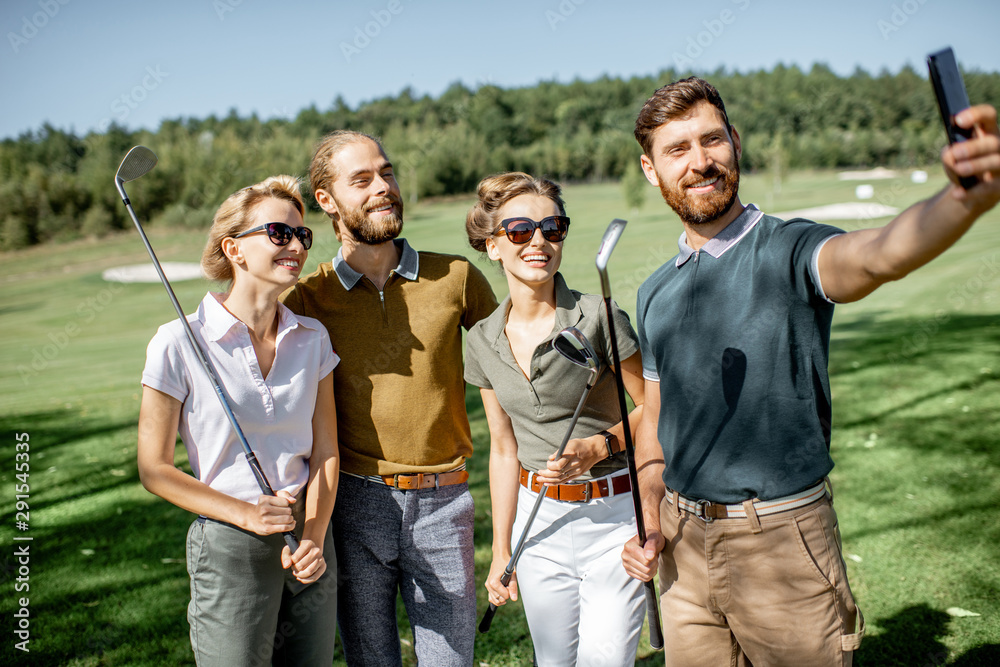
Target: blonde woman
{"type": "Point", "coordinates": [582, 607]}
{"type": "Point", "coordinates": [248, 605]}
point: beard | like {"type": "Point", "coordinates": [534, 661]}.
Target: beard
{"type": "Point", "coordinates": [373, 232]}
{"type": "Point", "coordinates": [704, 209]}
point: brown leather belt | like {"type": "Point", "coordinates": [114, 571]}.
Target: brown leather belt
{"type": "Point", "coordinates": [580, 492]}
{"type": "Point", "coordinates": [425, 480]}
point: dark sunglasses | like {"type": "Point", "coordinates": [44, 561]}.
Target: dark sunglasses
{"type": "Point", "coordinates": [281, 234]}
{"type": "Point", "coordinates": [520, 230]}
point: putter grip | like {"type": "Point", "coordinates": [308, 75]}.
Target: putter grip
{"type": "Point", "coordinates": [484, 625]}
{"type": "Point", "coordinates": [291, 541]}
{"type": "Point", "coordinates": [487, 621]}
{"type": "Point", "coordinates": [653, 614]}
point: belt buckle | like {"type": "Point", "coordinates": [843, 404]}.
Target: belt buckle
{"type": "Point", "coordinates": [419, 480]}
{"type": "Point", "coordinates": [588, 492]}
{"type": "Point", "coordinates": [699, 510]}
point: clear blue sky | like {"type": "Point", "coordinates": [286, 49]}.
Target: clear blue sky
{"type": "Point", "coordinates": [79, 64]}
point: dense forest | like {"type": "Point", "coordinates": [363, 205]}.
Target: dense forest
{"type": "Point", "coordinates": [55, 185]}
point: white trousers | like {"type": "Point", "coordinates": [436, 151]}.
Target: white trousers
{"type": "Point", "coordinates": [582, 607]}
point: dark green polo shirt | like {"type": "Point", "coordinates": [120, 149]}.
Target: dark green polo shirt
{"type": "Point", "coordinates": [737, 334]}
{"type": "Point", "coordinates": [540, 407]}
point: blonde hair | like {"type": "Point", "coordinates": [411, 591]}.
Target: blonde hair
{"type": "Point", "coordinates": [234, 216]}
{"type": "Point", "coordinates": [494, 191]}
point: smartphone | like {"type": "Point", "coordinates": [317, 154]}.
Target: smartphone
{"type": "Point", "coordinates": [951, 98]}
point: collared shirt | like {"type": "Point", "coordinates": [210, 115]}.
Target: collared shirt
{"type": "Point", "coordinates": [724, 240]}
{"type": "Point", "coordinates": [274, 412]}
{"type": "Point", "coordinates": [408, 267]}
{"type": "Point", "coordinates": [737, 336]}
{"type": "Point", "coordinates": [541, 405]}
{"type": "Point", "coordinates": [399, 389]}
{"type": "Point", "coordinates": [732, 234]}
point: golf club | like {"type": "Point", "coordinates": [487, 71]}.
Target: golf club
{"type": "Point", "coordinates": [138, 162]}
{"type": "Point", "coordinates": [572, 344]}
{"type": "Point", "coordinates": [608, 242]}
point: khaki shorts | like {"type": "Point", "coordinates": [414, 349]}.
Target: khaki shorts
{"type": "Point", "coordinates": [766, 591]}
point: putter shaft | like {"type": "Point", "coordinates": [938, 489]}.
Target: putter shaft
{"type": "Point", "coordinates": [608, 243]}
{"type": "Point", "coordinates": [142, 164]}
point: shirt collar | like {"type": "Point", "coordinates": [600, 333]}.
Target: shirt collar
{"type": "Point", "coordinates": [218, 321]}
{"type": "Point", "coordinates": [409, 265]}
{"type": "Point", "coordinates": [568, 314]}
{"type": "Point", "coordinates": [724, 240]}
{"type": "Point", "coordinates": [568, 311]}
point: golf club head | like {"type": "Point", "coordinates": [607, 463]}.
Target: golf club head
{"type": "Point", "coordinates": [608, 243]}
{"type": "Point", "coordinates": [572, 344]}
{"type": "Point", "coordinates": [137, 162]}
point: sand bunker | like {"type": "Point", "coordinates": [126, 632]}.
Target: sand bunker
{"type": "Point", "coordinates": [871, 174]}
{"type": "Point", "coordinates": [845, 211]}
{"type": "Point", "coordinates": [146, 273]}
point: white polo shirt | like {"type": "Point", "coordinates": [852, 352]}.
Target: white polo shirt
{"type": "Point", "coordinates": [275, 412]}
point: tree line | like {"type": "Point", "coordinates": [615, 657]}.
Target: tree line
{"type": "Point", "coordinates": [55, 185]}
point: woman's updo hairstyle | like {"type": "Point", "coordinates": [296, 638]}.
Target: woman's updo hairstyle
{"type": "Point", "coordinates": [493, 192]}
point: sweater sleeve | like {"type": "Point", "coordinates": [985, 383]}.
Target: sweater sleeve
{"type": "Point", "coordinates": [479, 298]}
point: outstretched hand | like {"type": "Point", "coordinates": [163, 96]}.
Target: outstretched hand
{"type": "Point", "coordinates": [978, 157]}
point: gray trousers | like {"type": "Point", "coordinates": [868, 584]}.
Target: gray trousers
{"type": "Point", "coordinates": [247, 611]}
{"type": "Point", "coordinates": [418, 543]}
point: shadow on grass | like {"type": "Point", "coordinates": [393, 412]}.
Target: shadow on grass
{"type": "Point", "coordinates": [108, 582]}
{"type": "Point", "coordinates": [910, 363]}
{"type": "Point", "coordinates": [911, 638]}
{"type": "Point", "coordinates": [111, 588]}
{"type": "Point", "coordinates": [894, 341]}
{"type": "Point", "coordinates": [56, 435]}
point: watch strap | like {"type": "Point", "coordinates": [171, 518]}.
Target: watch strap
{"type": "Point", "coordinates": [611, 442]}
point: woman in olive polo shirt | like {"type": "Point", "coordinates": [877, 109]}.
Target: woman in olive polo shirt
{"type": "Point", "coordinates": [581, 606]}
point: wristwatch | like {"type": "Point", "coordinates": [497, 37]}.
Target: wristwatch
{"type": "Point", "coordinates": [611, 442]}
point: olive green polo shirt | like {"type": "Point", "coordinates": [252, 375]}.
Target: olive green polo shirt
{"type": "Point", "coordinates": [399, 390]}
{"type": "Point", "coordinates": [541, 406]}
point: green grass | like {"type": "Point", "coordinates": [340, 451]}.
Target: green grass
{"type": "Point", "coordinates": [914, 368]}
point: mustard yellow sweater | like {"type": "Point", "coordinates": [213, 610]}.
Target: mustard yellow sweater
{"type": "Point", "coordinates": [399, 388]}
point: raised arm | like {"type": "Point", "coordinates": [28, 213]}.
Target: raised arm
{"type": "Point", "coordinates": [853, 265]}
